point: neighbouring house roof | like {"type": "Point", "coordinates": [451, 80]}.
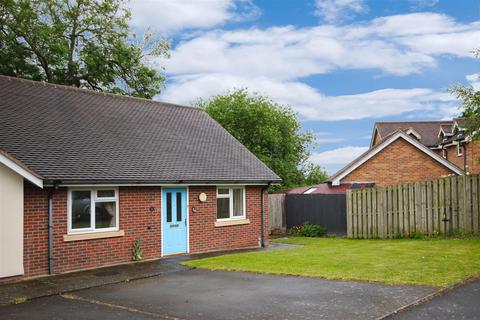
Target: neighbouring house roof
{"type": "Point", "coordinates": [325, 188]}
{"type": "Point", "coordinates": [427, 130]}
{"type": "Point", "coordinates": [386, 141]}
{"type": "Point", "coordinates": [78, 136]}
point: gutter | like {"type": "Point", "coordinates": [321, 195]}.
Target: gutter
{"type": "Point", "coordinates": [262, 224]}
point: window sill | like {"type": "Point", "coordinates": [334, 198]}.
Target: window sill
{"type": "Point", "coordinates": [93, 235]}
{"type": "Point", "coordinates": [226, 223]}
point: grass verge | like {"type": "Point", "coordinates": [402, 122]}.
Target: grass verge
{"type": "Point", "coordinates": [433, 262]}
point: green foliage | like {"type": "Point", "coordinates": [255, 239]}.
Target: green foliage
{"type": "Point", "coordinates": [470, 105]}
{"type": "Point", "coordinates": [270, 131]}
{"type": "Point", "coordinates": [309, 230]}
{"type": "Point", "coordinates": [81, 43]}
{"type": "Point", "coordinates": [137, 249]}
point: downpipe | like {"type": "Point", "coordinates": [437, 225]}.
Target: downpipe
{"type": "Point", "coordinates": [50, 228]}
{"type": "Point", "coordinates": [262, 223]}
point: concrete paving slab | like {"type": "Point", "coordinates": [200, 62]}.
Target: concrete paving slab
{"type": "Point", "coordinates": [202, 294]}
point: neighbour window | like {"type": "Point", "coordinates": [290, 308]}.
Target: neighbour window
{"type": "Point", "coordinates": [459, 150]}
{"type": "Point", "coordinates": [93, 210]}
{"type": "Point", "coordinates": [444, 153]}
{"type": "Point", "coordinates": [230, 203]}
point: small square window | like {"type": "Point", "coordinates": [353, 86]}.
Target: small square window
{"type": "Point", "coordinates": [231, 203]}
{"type": "Point", "coordinates": [459, 150]}
{"type": "Point", "coordinates": [93, 210]}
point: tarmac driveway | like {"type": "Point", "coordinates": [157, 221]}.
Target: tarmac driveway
{"type": "Point", "coordinates": [202, 294]}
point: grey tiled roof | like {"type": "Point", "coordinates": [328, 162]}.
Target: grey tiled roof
{"type": "Point", "coordinates": [79, 136]}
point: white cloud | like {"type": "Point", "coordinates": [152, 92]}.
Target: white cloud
{"type": "Point", "coordinates": [167, 16]}
{"type": "Point", "coordinates": [274, 61]}
{"type": "Point", "coordinates": [334, 160]}
{"type": "Point", "coordinates": [474, 80]}
{"type": "Point", "coordinates": [399, 45]}
{"type": "Point", "coordinates": [420, 4]}
{"type": "Point", "coordinates": [308, 101]}
{"type": "Point", "coordinates": [337, 10]}
{"type": "Point", "coordinates": [326, 138]}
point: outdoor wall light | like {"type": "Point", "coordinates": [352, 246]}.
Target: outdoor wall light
{"type": "Point", "coordinates": [202, 197]}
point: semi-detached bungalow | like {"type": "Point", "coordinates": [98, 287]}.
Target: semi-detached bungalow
{"type": "Point", "coordinates": [83, 174]}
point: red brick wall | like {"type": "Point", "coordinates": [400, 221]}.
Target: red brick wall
{"type": "Point", "coordinates": [204, 236]}
{"type": "Point", "coordinates": [453, 158]}
{"type": "Point", "coordinates": [473, 157]}
{"type": "Point", "coordinates": [136, 219]}
{"type": "Point", "coordinates": [400, 162]}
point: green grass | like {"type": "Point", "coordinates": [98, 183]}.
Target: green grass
{"type": "Point", "coordinates": [436, 262]}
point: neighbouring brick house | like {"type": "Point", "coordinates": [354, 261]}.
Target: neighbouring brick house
{"type": "Point", "coordinates": [83, 174]}
{"type": "Point", "coordinates": [405, 152]}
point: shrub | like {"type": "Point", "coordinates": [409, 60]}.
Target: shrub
{"type": "Point", "coordinates": [309, 230]}
{"type": "Point", "coordinates": [137, 249]}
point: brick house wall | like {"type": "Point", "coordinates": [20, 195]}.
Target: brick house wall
{"type": "Point", "coordinates": [473, 157]}
{"type": "Point", "coordinates": [136, 219]}
{"type": "Point", "coordinates": [400, 162]}
{"type": "Point", "coordinates": [454, 158]}
{"type": "Point", "coordinates": [204, 236]}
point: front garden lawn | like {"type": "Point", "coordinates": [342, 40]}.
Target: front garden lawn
{"type": "Point", "coordinates": [400, 261]}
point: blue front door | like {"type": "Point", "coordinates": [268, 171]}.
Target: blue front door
{"type": "Point", "coordinates": [174, 220]}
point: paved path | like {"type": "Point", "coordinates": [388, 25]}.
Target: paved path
{"type": "Point", "coordinates": [461, 303]}
{"type": "Point", "coordinates": [201, 294]}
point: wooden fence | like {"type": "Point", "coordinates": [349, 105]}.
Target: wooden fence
{"type": "Point", "coordinates": [276, 213]}
{"type": "Point", "coordinates": [444, 205]}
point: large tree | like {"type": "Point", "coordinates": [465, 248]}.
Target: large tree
{"type": "Point", "coordinates": [270, 131]}
{"type": "Point", "coordinates": [82, 43]}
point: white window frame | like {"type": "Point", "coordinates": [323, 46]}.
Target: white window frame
{"type": "Point", "coordinates": [230, 196]}
{"type": "Point", "coordinates": [459, 150]}
{"type": "Point", "coordinates": [93, 199]}
{"type": "Point", "coordinates": [444, 153]}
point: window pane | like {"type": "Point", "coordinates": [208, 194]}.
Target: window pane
{"type": "Point", "coordinates": [223, 208]}
{"type": "Point", "coordinates": [237, 202]}
{"type": "Point", "coordinates": [81, 209]}
{"type": "Point", "coordinates": [179, 206]}
{"type": "Point", "coordinates": [105, 215]}
{"type": "Point", "coordinates": [169, 207]}
{"type": "Point", "coordinates": [106, 193]}
{"type": "Point", "coordinates": [223, 191]}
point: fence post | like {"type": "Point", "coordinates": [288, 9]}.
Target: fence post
{"type": "Point", "coordinates": [467, 199]}
{"type": "Point", "coordinates": [349, 214]}
{"type": "Point", "coordinates": [374, 213]}
{"type": "Point", "coordinates": [475, 202]}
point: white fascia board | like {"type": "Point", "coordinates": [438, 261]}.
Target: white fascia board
{"type": "Point", "coordinates": [15, 167]}
{"type": "Point", "coordinates": [386, 143]}
{"type": "Point", "coordinates": [375, 130]}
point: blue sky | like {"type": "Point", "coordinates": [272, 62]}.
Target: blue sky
{"type": "Point", "coordinates": [341, 64]}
